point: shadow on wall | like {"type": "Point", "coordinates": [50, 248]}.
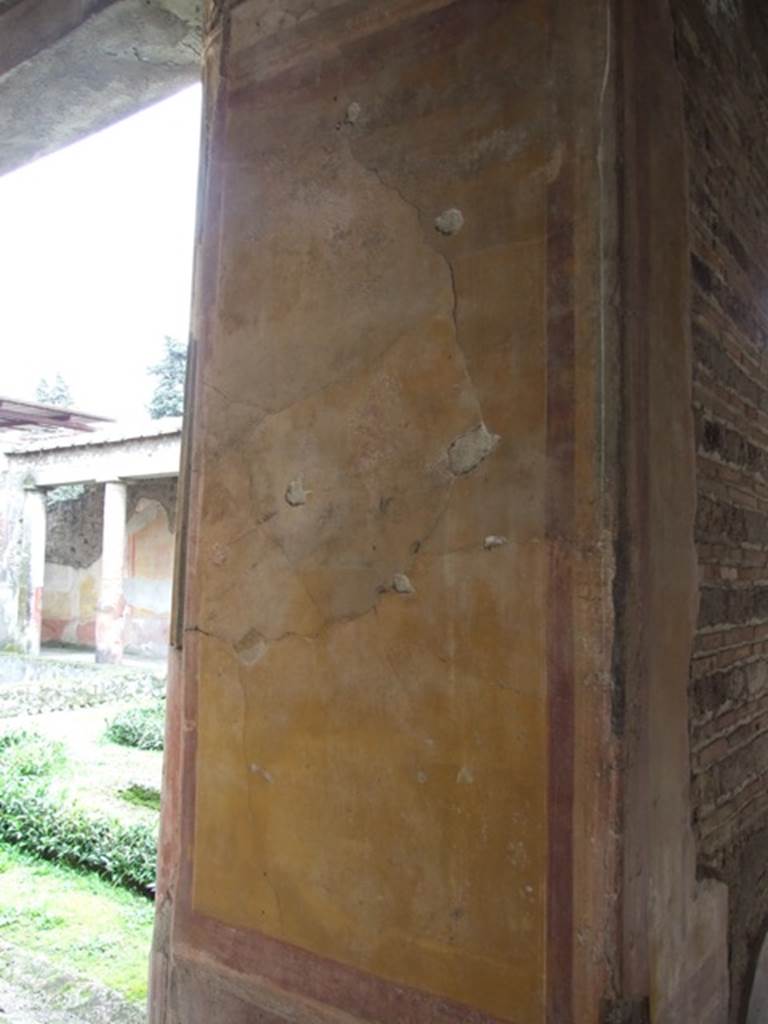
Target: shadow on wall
{"type": "Point", "coordinates": [758, 1002]}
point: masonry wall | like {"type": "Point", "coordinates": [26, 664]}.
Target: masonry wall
{"type": "Point", "coordinates": [722, 52]}
{"type": "Point", "coordinates": [73, 567]}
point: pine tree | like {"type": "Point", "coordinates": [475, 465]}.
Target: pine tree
{"type": "Point", "coordinates": [54, 392]}
{"type": "Point", "coordinates": [168, 396]}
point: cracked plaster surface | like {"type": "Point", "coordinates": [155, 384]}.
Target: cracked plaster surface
{"type": "Point", "coordinates": [376, 650]}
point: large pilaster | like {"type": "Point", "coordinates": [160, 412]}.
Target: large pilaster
{"type": "Point", "coordinates": [388, 791]}
{"type": "Point", "coordinates": [110, 614]}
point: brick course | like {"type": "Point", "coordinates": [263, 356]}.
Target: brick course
{"type": "Point", "coordinates": [722, 54]}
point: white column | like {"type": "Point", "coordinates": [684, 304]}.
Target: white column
{"type": "Point", "coordinates": [110, 613]}
{"type": "Point", "coordinates": [34, 532]}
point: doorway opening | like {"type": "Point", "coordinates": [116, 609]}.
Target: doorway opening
{"type": "Point", "coordinates": [96, 259]}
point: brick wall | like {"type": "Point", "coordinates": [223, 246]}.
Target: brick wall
{"type": "Point", "coordinates": [722, 50]}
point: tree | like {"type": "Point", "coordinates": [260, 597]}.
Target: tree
{"type": "Point", "coordinates": [54, 392]}
{"type": "Point", "coordinates": [168, 396]}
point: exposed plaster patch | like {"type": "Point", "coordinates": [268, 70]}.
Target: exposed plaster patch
{"type": "Point", "coordinates": [295, 494]}
{"type": "Point", "coordinates": [450, 222]}
{"type": "Point", "coordinates": [256, 769]}
{"type": "Point", "coordinates": [421, 777]}
{"type": "Point", "coordinates": [353, 113]}
{"type": "Point", "coordinates": [251, 648]}
{"type": "Point", "coordinates": [465, 776]}
{"type": "Point", "coordinates": [401, 584]}
{"type": "Point", "coordinates": [219, 554]}
{"type": "Point", "coordinates": [470, 449]}
{"type": "Point", "coordinates": [492, 541]}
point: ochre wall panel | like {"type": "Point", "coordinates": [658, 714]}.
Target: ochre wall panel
{"type": "Point", "coordinates": [396, 752]}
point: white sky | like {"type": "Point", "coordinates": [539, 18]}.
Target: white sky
{"type": "Point", "coordinates": [96, 259]}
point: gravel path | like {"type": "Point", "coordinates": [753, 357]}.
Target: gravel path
{"type": "Point", "coordinates": [20, 1007]}
{"type": "Point", "coordinates": [34, 991]}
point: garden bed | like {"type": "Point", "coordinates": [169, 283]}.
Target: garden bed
{"type": "Point", "coordinates": [37, 685]}
{"type": "Point", "coordinates": [96, 769]}
{"type": "Point", "coordinates": [74, 806]}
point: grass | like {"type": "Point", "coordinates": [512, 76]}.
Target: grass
{"type": "Point", "coordinates": [141, 796]}
{"type": "Point", "coordinates": [76, 920]}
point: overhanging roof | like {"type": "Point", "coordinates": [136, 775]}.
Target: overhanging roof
{"type": "Point", "coordinates": [72, 67]}
{"type": "Point", "coordinates": [31, 414]}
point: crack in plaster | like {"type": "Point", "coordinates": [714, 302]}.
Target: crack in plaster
{"type": "Point", "coordinates": [297, 575]}
{"type": "Point", "coordinates": [252, 768]}
{"type": "Point", "coordinates": [416, 548]}
{"type": "Point", "coordinates": [255, 635]}
{"type": "Point", "coordinates": [238, 401]}
{"type": "Point", "coordinates": [168, 64]}
{"type": "Point", "coordinates": [346, 378]}
{"type": "Point", "coordinates": [266, 414]}
{"type": "Point", "coordinates": [254, 644]}
{"type": "Point", "coordinates": [455, 316]}
{"type": "Point", "coordinates": [420, 216]}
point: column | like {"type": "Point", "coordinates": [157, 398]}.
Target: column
{"type": "Point", "coordinates": [110, 613]}
{"type": "Point", "coordinates": [35, 530]}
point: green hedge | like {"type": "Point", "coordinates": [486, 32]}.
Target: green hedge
{"type": "Point", "coordinates": [38, 821]}
{"type": "Point", "coordinates": [142, 727]}
{"type": "Point", "coordinates": [29, 755]}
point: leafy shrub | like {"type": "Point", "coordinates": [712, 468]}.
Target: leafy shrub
{"type": "Point", "coordinates": [30, 755]}
{"type": "Point", "coordinates": [36, 821]}
{"type": "Point", "coordinates": [142, 727]}
{"type": "Point", "coordinates": [34, 818]}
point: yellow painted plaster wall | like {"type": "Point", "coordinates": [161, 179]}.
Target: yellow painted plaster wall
{"type": "Point", "coordinates": [398, 567]}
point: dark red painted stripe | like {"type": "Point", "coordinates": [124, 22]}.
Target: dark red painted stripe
{"type": "Point", "coordinates": [316, 979]}
{"type": "Point", "coordinates": [560, 511]}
